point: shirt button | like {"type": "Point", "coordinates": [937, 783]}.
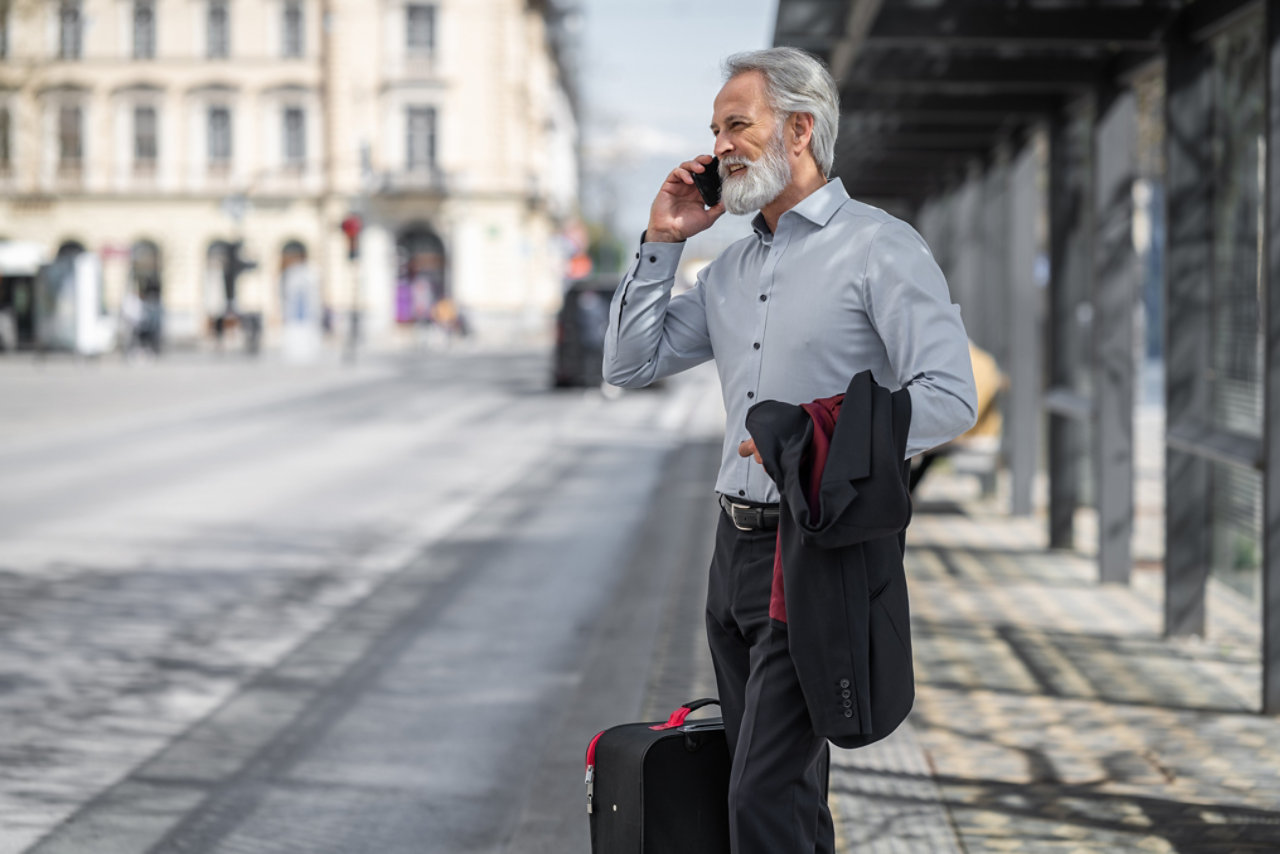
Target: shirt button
{"type": "Point", "coordinates": [763, 298]}
{"type": "Point", "coordinates": [756, 345]}
{"type": "Point", "coordinates": [742, 492]}
{"type": "Point", "coordinates": [637, 254]}
{"type": "Point", "coordinates": [653, 259]}
{"type": "Point", "coordinates": [751, 394]}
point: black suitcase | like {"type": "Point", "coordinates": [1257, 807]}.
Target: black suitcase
{"type": "Point", "coordinates": [660, 788]}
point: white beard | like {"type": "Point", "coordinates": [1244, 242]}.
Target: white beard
{"type": "Point", "coordinates": [765, 179]}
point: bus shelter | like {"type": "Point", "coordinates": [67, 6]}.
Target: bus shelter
{"type": "Point", "coordinates": [1100, 183]}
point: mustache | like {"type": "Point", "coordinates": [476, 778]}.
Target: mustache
{"type": "Point", "coordinates": [733, 160]}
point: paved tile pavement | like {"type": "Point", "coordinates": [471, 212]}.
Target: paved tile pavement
{"type": "Point", "coordinates": [1051, 716]}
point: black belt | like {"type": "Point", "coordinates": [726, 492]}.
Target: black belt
{"type": "Point", "coordinates": [750, 517]}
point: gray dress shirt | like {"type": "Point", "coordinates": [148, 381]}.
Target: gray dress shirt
{"type": "Point", "coordinates": [841, 287]}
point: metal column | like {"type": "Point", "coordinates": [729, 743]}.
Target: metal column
{"type": "Point", "coordinates": [1070, 278]}
{"type": "Point", "coordinates": [993, 285]}
{"type": "Point", "coordinates": [1116, 289]}
{"type": "Point", "coordinates": [1024, 338]}
{"type": "Point", "coordinates": [1188, 272]}
{"type": "Point", "coordinates": [1271, 380]}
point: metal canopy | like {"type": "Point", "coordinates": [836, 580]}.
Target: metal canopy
{"type": "Point", "coordinates": [929, 86]}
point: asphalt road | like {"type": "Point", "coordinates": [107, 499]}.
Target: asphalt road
{"type": "Point", "coordinates": [261, 608]}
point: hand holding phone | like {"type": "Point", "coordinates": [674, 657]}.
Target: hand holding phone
{"type": "Point", "coordinates": [708, 183]}
{"type": "Point", "coordinates": [677, 214]}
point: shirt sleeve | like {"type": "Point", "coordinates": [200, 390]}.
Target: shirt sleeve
{"type": "Point", "coordinates": [651, 333]}
{"type": "Point", "coordinates": [910, 306]}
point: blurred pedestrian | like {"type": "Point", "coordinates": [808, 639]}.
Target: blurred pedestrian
{"type": "Point", "coordinates": [130, 321]}
{"type": "Point", "coordinates": [300, 297]}
{"type": "Point", "coordinates": [825, 288]}
{"type": "Point", "coordinates": [150, 331]}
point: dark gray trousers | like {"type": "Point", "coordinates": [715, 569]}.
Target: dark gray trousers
{"type": "Point", "coordinates": [778, 783]}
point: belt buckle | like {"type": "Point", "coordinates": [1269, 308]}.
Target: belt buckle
{"type": "Point", "coordinates": [733, 515]}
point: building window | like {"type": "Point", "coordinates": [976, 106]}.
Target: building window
{"type": "Point", "coordinates": [295, 137]}
{"type": "Point", "coordinates": [6, 153]}
{"type": "Point", "coordinates": [218, 25]}
{"type": "Point", "coordinates": [421, 142]}
{"type": "Point", "coordinates": [293, 38]}
{"type": "Point", "coordinates": [420, 29]}
{"type": "Point", "coordinates": [144, 139]}
{"type": "Point", "coordinates": [70, 29]}
{"type": "Point", "coordinates": [70, 138]}
{"type": "Point", "coordinates": [144, 29]}
{"type": "Point", "coordinates": [219, 142]}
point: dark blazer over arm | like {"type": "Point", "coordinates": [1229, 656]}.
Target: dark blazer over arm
{"type": "Point", "coordinates": [839, 466]}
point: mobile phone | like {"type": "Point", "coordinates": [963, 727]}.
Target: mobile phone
{"type": "Point", "coordinates": [708, 183]}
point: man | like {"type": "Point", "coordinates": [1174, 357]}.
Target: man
{"type": "Point", "coordinates": [825, 288]}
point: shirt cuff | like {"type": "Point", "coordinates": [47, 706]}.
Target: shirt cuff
{"type": "Point", "coordinates": [656, 261]}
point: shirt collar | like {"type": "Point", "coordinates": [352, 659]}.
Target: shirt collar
{"type": "Point", "coordinates": [818, 207]}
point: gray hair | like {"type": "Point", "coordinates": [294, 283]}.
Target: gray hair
{"type": "Point", "coordinates": [796, 82]}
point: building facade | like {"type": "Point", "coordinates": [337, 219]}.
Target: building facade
{"type": "Point", "coordinates": [158, 133]}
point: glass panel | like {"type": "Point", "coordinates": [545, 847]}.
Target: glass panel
{"type": "Point", "coordinates": [219, 38]}
{"type": "Point", "coordinates": [421, 28]}
{"type": "Point", "coordinates": [1235, 368]}
{"type": "Point", "coordinates": [144, 135]}
{"type": "Point", "coordinates": [69, 30]}
{"type": "Point", "coordinates": [69, 139]}
{"type": "Point", "coordinates": [421, 144]}
{"type": "Point", "coordinates": [144, 30]}
{"type": "Point", "coordinates": [295, 136]}
{"type": "Point", "coordinates": [293, 30]}
{"type": "Point", "coordinates": [1237, 528]}
{"type": "Point", "coordinates": [5, 154]}
{"type": "Point", "coordinates": [1234, 372]}
{"type": "Point", "coordinates": [219, 134]}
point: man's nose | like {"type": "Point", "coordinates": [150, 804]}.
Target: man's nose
{"type": "Point", "coordinates": [723, 146]}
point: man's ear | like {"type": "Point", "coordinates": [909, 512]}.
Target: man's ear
{"type": "Point", "coordinates": [799, 132]}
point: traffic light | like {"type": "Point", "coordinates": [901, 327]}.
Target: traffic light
{"type": "Point", "coordinates": [351, 226]}
{"type": "Point", "coordinates": [233, 267]}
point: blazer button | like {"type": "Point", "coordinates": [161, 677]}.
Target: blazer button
{"type": "Point", "coordinates": [846, 693]}
{"type": "Point", "coordinates": [848, 713]}
{"type": "Point", "coordinates": [844, 683]}
{"type": "Point", "coordinates": [848, 704]}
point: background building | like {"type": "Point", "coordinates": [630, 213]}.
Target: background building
{"type": "Point", "coordinates": [159, 133]}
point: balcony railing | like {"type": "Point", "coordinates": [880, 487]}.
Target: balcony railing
{"type": "Point", "coordinates": [430, 180]}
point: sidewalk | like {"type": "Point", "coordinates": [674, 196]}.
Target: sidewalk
{"type": "Point", "coordinates": [1051, 716]}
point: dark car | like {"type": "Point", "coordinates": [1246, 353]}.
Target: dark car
{"type": "Point", "coordinates": [580, 328]}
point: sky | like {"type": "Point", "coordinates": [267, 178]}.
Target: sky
{"type": "Point", "coordinates": [650, 70]}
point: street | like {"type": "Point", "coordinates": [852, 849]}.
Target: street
{"type": "Point", "coordinates": [254, 607]}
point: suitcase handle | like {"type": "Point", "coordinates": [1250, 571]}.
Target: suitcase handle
{"type": "Point", "coordinates": [676, 719]}
{"type": "Point", "coordinates": [678, 716]}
